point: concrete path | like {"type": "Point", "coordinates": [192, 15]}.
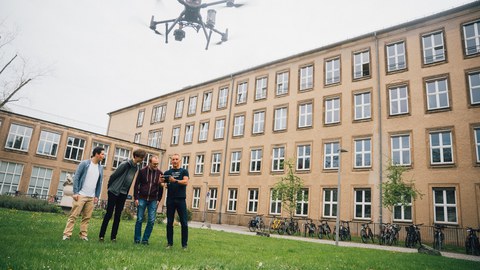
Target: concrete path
{"type": "Point", "coordinates": [245, 231]}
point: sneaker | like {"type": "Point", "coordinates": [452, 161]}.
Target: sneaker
{"type": "Point", "coordinates": [114, 241]}
{"type": "Point", "coordinates": [136, 242]}
{"type": "Point", "coordinates": [101, 239]}
{"type": "Point", "coordinates": [84, 238]}
{"type": "Point", "coordinates": [145, 243]}
{"type": "Point", "coordinates": [184, 248]}
{"type": "Point", "coordinates": [168, 247]}
{"type": "Point", "coordinates": [66, 238]}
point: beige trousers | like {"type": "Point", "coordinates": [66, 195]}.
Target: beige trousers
{"type": "Point", "coordinates": [83, 206]}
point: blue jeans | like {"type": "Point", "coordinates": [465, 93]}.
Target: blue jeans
{"type": "Point", "coordinates": [181, 207]}
{"type": "Point", "coordinates": [152, 213]}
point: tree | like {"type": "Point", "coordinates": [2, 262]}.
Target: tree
{"type": "Point", "coordinates": [288, 190]}
{"type": "Point", "coordinates": [395, 190]}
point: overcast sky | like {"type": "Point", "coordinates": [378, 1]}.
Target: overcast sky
{"type": "Point", "coordinates": [101, 56]}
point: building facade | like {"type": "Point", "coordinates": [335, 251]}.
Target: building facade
{"type": "Point", "coordinates": [408, 94]}
{"type": "Point", "coordinates": [37, 155]}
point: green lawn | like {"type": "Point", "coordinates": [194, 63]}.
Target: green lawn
{"type": "Point", "coordinates": [31, 240]}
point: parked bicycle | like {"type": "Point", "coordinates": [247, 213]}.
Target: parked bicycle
{"type": "Point", "coordinates": [344, 231]}
{"type": "Point", "coordinates": [310, 228]}
{"type": "Point", "coordinates": [256, 224]}
{"type": "Point", "coordinates": [277, 225]}
{"type": "Point", "coordinates": [472, 245]}
{"type": "Point", "coordinates": [438, 236]}
{"type": "Point", "coordinates": [291, 226]}
{"type": "Point", "coordinates": [324, 229]}
{"type": "Point", "coordinates": [389, 234]}
{"type": "Point", "coordinates": [413, 236]}
{"type": "Point", "coordinates": [366, 233]}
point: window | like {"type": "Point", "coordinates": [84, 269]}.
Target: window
{"type": "Point", "coordinates": [398, 99]}
{"type": "Point", "coordinates": [361, 65]}
{"type": "Point", "coordinates": [441, 148]}
{"type": "Point", "coordinates": [179, 108]}
{"type": "Point", "coordinates": [363, 203]}
{"type": "Point", "coordinates": [256, 160]}
{"type": "Point", "coordinates": [140, 117]}
{"type": "Point", "coordinates": [121, 154]}
{"type": "Point", "coordinates": [19, 137]}
{"type": "Point", "coordinates": [471, 36]}
{"type": "Point", "coordinates": [175, 135]}
{"type": "Point", "coordinates": [261, 88]}
{"type": "Point", "coordinates": [275, 204]}
{"type": "Point", "coordinates": [106, 148]}
{"type": "Point", "coordinates": [196, 198]}
{"type": "Point", "coordinates": [199, 164]}
{"type": "Point", "coordinates": [302, 203]}
{"type": "Point", "coordinates": [396, 58]}
{"type": "Point", "coordinates": [332, 71]}
{"type": "Point", "coordinates": [236, 158]}
{"type": "Point", "coordinates": [280, 122]}
{"type": "Point", "coordinates": [145, 160]}
{"type": "Point", "coordinates": [238, 125]}
{"type": "Point", "coordinates": [477, 143]}
{"type": "Point", "coordinates": [212, 201]}
{"type": "Point", "coordinates": [242, 93]}
{"type": "Point", "coordinates": [48, 143]}
{"type": "Point", "coordinates": [474, 86]}
{"type": "Point", "coordinates": [445, 205]}
{"type": "Point", "coordinates": [437, 94]}
{"type": "Point", "coordinates": [232, 200]}
{"type": "Point", "coordinates": [158, 113]}
{"type": "Point", "coordinates": [433, 48]}
{"type": "Point", "coordinates": [216, 162]}
{"type": "Point", "coordinates": [401, 150]}
{"type": "Point", "coordinates": [252, 200]}
{"type": "Point", "coordinates": [61, 181]}
{"type": "Point", "coordinates": [137, 137]}
{"type": "Point", "coordinates": [10, 175]}
{"type": "Point", "coordinates": [403, 212]}
{"type": "Point", "coordinates": [331, 155]}
{"type": "Point", "coordinates": [203, 134]}
{"type": "Point", "coordinates": [363, 153]}
{"type": "Point", "coordinates": [306, 77]}
{"type": "Point", "coordinates": [192, 105]}
{"type": "Point", "coordinates": [188, 133]}
{"type": "Point", "coordinates": [222, 98]}
{"type": "Point", "coordinates": [154, 138]}
{"type": "Point", "coordinates": [40, 181]}
{"type": "Point", "coordinates": [282, 83]}
{"type": "Point", "coordinates": [219, 129]}
{"type": "Point", "coordinates": [332, 110]}
{"type": "Point", "coordinates": [305, 115]}
{"type": "Point", "coordinates": [363, 106]}
{"type": "Point", "coordinates": [303, 157]}
{"type": "Point", "coordinates": [259, 122]}
{"type": "Point", "coordinates": [207, 102]}
{"type": "Point", "coordinates": [330, 203]}
{"type": "Point", "coordinates": [75, 148]}
{"type": "Point", "coordinates": [278, 159]}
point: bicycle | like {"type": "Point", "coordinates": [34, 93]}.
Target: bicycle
{"type": "Point", "coordinates": [344, 231]}
{"type": "Point", "coordinates": [256, 224]}
{"type": "Point", "coordinates": [438, 236]}
{"type": "Point", "coordinates": [413, 236]}
{"type": "Point", "coordinates": [310, 228]}
{"type": "Point", "coordinates": [292, 226]}
{"type": "Point", "coordinates": [388, 234]}
{"type": "Point", "coordinates": [323, 229]}
{"type": "Point", "coordinates": [277, 225]}
{"type": "Point", "coordinates": [366, 233]}
{"type": "Point", "coordinates": [472, 245]}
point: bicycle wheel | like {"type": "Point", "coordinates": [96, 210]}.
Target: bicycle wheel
{"type": "Point", "coordinates": [436, 242]}
{"type": "Point", "coordinates": [363, 234]}
{"type": "Point", "coordinates": [271, 226]}
{"type": "Point", "coordinates": [290, 229]}
{"type": "Point", "coordinates": [282, 229]}
{"type": "Point", "coordinates": [468, 245]}
{"type": "Point", "coordinates": [327, 232]}
{"type": "Point", "coordinates": [320, 232]}
{"type": "Point", "coordinates": [312, 230]}
{"type": "Point", "coordinates": [475, 246]}
{"type": "Point", "coordinates": [370, 235]}
{"type": "Point", "coordinates": [252, 226]}
{"type": "Point", "coordinates": [261, 226]}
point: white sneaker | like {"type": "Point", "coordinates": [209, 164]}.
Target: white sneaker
{"type": "Point", "coordinates": [84, 238]}
{"type": "Point", "coordinates": [66, 238]}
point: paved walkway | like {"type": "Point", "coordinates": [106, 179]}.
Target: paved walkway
{"type": "Point", "coordinates": [245, 231]}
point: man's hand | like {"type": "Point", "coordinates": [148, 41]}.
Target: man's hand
{"type": "Point", "coordinates": [136, 203]}
{"type": "Point", "coordinates": [75, 197]}
{"type": "Point", "coordinates": [95, 200]}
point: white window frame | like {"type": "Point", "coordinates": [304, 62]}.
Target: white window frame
{"type": "Point", "coordinates": [140, 117]}
{"type": "Point", "coordinates": [199, 163]}
{"type": "Point", "coordinates": [238, 125]}
{"type": "Point", "coordinates": [255, 160]}
{"type": "Point", "coordinates": [40, 180]}
{"type": "Point", "coordinates": [212, 199]}
{"type": "Point", "coordinates": [305, 115]}
{"type": "Point", "coordinates": [106, 149]}
{"type": "Point", "coordinates": [401, 150]}
{"type": "Point", "coordinates": [219, 129]}
{"type": "Point", "coordinates": [445, 205]}
{"type": "Point", "coordinates": [275, 205]}
{"type": "Point", "coordinates": [48, 143]}
{"type": "Point", "coordinates": [258, 122]}
{"type": "Point", "coordinates": [235, 161]}
{"type": "Point", "coordinates": [363, 105]}
{"type": "Point", "coordinates": [330, 203]}
{"type": "Point", "coordinates": [175, 136]}
{"type": "Point", "coordinates": [78, 147]}
{"type": "Point", "coordinates": [185, 162]}
{"type": "Point", "coordinates": [158, 113]}
{"type": "Point", "coordinates": [188, 138]}
{"type": "Point", "coordinates": [154, 138]}
{"type": "Point", "coordinates": [280, 119]}
{"type": "Point", "coordinates": [437, 51]}
{"type": "Point", "coordinates": [242, 93]}
{"type": "Point", "coordinates": [361, 64]}
{"type": "Point", "coordinates": [216, 162]}
{"type": "Point", "coordinates": [306, 77]}
{"type": "Point", "coordinates": [203, 134]}
{"type": "Point", "coordinates": [396, 56]}
{"type": "Point", "coordinates": [261, 88]}
{"type": "Point", "coordinates": [192, 105]}
{"type": "Point", "coordinates": [282, 83]}
{"type": "Point", "coordinates": [435, 94]}
{"type": "Point", "coordinates": [363, 203]}
{"type": "Point", "coordinates": [398, 100]}
{"type": "Point", "coordinates": [179, 108]}
{"type": "Point", "coordinates": [330, 154]}
{"type": "Point", "coordinates": [19, 132]}
{"type": "Point", "coordinates": [119, 156]}
{"type": "Point", "coordinates": [474, 90]}
{"type": "Point", "coordinates": [304, 156]}
{"type": "Point", "coordinates": [332, 110]}
{"type": "Point", "coordinates": [442, 147]}
{"type": "Point", "coordinates": [252, 200]}
{"type": "Point", "coordinates": [196, 198]}
{"type": "Point", "coordinates": [364, 152]}
{"type": "Point", "coordinates": [278, 159]}
{"type": "Point", "coordinates": [11, 172]}
{"type": "Point", "coordinates": [475, 38]}
{"type": "Point", "coordinates": [332, 71]}
{"type": "Point", "coordinates": [207, 102]}
{"type": "Point", "coordinates": [402, 210]}
{"type": "Point", "coordinates": [476, 133]}
{"type": "Point", "coordinates": [232, 200]}
{"type": "Point", "coordinates": [222, 97]}
{"type": "Point", "coordinates": [137, 137]}
{"type": "Point", "coordinates": [302, 203]}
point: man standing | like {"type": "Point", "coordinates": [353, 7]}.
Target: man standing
{"type": "Point", "coordinates": [118, 186]}
{"type": "Point", "coordinates": [147, 193]}
{"type": "Point", "coordinates": [177, 181]}
{"type": "Point", "coordinates": [87, 183]}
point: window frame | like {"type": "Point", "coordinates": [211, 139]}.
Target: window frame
{"type": "Point", "coordinates": [238, 126]}
{"type": "Point", "coordinates": [331, 111]}
{"type": "Point", "coordinates": [196, 198]}
{"type": "Point", "coordinates": [331, 204]}
{"type": "Point", "coordinates": [441, 146]}
{"type": "Point", "coordinates": [261, 88]}
{"type": "Point", "coordinates": [258, 125]}
{"type": "Point", "coordinates": [365, 73]}
{"type": "Point", "coordinates": [199, 164]}
{"type": "Point", "coordinates": [304, 157]}
{"type": "Point", "coordinates": [306, 78]}
{"type": "Point", "coordinates": [476, 37]}
{"type": "Point", "coordinates": [26, 136]}
{"type": "Point", "coordinates": [280, 119]}
{"type": "Point", "coordinates": [242, 93]}
{"type": "Point", "coordinates": [207, 101]}
{"type": "Point", "coordinates": [255, 164]}
{"type": "Point", "coordinates": [158, 113]}
{"type": "Point", "coordinates": [330, 73]}
{"type": "Point", "coordinates": [399, 100]}
{"type": "Point", "coordinates": [424, 49]}
{"type": "Point", "coordinates": [366, 108]}
{"type": "Point", "coordinates": [216, 163]}
{"type": "Point", "coordinates": [235, 161]}
{"type": "Point", "coordinates": [203, 131]}
{"type": "Point", "coordinates": [302, 203]}
{"type": "Point", "coordinates": [278, 161]}
{"type": "Point", "coordinates": [282, 83]}
{"type": "Point", "coordinates": [332, 156]}
{"type": "Point", "coordinates": [401, 149]}
{"type": "Point", "coordinates": [80, 149]}
{"type": "Point", "coordinates": [305, 116]}
{"type": "Point", "coordinates": [438, 94]}
{"type": "Point", "coordinates": [363, 153]}
{"type": "Point", "coordinates": [252, 201]}
{"type": "Point", "coordinates": [396, 57]}
{"type": "Point", "coordinates": [232, 200]}
{"type": "Point", "coordinates": [175, 135]}
{"type": "Point", "coordinates": [52, 143]}
{"type": "Point", "coordinates": [471, 89]}
{"type": "Point", "coordinates": [140, 117]}
{"type": "Point", "coordinates": [363, 204]}
{"type": "Point", "coordinates": [179, 104]}
{"type": "Point", "coordinates": [219, 130]}
{"type": "Point", "coordinates": [192, 105]}
{"type": "Point", "coordinates": [222, 101]}
{"type": "Point", "coordinates": [445, 205]}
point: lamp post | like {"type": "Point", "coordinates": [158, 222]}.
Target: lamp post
{"type": "Point", "coordinates": [337, 222]}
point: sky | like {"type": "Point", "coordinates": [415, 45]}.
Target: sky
{"type": "Point", "coordinates": [98, 56]}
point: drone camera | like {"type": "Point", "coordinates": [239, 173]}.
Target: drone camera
{"type": "Point", "coordinates": [211, 14]}
{"type": "Point", "coordinates": [230, 3]}
{"type": "Point", "coordinates": [179, 34]}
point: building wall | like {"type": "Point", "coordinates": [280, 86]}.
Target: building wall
{"type": "Point", "coordinates": [459, 119]}
{"type": "Point", "coordinates": [29, 159]}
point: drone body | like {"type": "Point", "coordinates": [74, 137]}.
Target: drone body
{"type": "Point", "coordinates": [191, 17]}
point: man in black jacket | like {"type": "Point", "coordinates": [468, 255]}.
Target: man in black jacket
{"type": "Point", "coordinates": [147, 193]}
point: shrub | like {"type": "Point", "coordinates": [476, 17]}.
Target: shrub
{"type": "Point", "coordinates": [98, 213]}
{"type": "Point", "coordinates": [28, 204]}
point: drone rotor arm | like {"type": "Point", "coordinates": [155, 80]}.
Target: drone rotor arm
{"type": "Point", "coordinates": [213, 3]}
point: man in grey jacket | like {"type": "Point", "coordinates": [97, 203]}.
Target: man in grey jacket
{"type": "Point", "coordinates": [87, 184]}
{"type": "Point", "coordinates": [118, 187]}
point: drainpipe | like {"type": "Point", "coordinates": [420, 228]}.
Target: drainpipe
{"type": "Point", "coordinates": [227, 137]}
{"type": "Point", "coordinates": [379, 108]}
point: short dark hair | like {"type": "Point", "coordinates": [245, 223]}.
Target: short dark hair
{"type": "Point", "coordinates": [139, 153]}
{"type": "Point", "coordinates": [97, 150]}
{"type": "Point", "coordinates": [152, 156]}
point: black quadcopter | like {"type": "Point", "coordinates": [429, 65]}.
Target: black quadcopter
{"type": "Point", "coordinates": [190, 17]}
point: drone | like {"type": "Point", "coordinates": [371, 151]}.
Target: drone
{"type": "Point", "coordinates": [190, 17]}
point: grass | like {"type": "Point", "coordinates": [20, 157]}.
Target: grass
{"type": "Point", "coordinates": [32, 240]}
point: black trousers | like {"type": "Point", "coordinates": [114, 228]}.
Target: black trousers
{"type": "Point", "coordinates": [181, 206]}
{"type": "Point", "coordinates": [115, 203]}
